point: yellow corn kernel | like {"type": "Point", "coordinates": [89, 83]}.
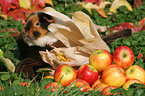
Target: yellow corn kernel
{"type": "Point", "coordinates": [62, 57]}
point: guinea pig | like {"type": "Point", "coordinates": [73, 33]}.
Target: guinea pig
{"type": "Point", "coordinates": [35, 30]}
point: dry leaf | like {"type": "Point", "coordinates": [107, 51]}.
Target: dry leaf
{"type": "Point", "coordinates": [104, 3]}
{"type": "Point", "coordinates": [77, 34]}
{"type": "Point", "coordinates": [3, 15]}
{"type": "Point", "coordinates": [127, 25]}
{"type": "Point", "coordinates": [49, 2]}
{"type": "Point", "coordinates": [117, 3]}
{"type": "Point", "coordinates": [25, 4]}
{"type": "Point", "coordinates": [97, 8]}
{"type": "Point", "coordinates": [1, 52]}
{"type": "Point", "coordinates": [102, 12]}
{"type": "Point", "coordinates": [19, 14]}
{"type": "Point", "coordinates": [94, 1]}
{"type": "Point", "coordinates": [41, 3]}
{"type": "Point", "coordinates": [142, 22]}
{"type": "Point", "coordinates": [137, 3]}
{"type": "Point", "coordinates": [140, 55]}
{"type": "Point", "coordinates": [8, 4]}
{"type": "Point", "coordinates": [101, 28]}
{"type": "Point", "coordinates": [9, 65]}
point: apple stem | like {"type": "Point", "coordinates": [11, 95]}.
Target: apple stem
{"type": "Point", "coordinates": [124, 55]}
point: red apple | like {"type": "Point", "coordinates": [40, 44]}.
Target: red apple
{"type": "Point", "coordinates": [100, 86]}
{"type": "Point", "coordinates": [107, 90]}
{"type": "Point", "coordinates": [123, 56]}
{"type": "Point", "coordinates": [114, 75]}
{"type": "Point", "coordinates": [129, 82]}
{"type": "Point", "coordinates": [83, 84]}
{"type": "Point", "coordinates": [65, 73]}
{"type": "Point", "coordinates": [136, 72]}
{"type": "Point", "coordinates": [88, 73]}
{"type": "Point", "coordinates": [53, 86]}
{"type": "Point", "coordinates": [100, 59]}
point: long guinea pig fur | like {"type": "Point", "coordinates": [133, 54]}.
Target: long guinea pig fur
{"type": "Point", "coordinates": [35, 30]}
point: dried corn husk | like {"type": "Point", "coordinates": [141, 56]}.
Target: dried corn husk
{"type": "Point", "coordinates": [78, 34]}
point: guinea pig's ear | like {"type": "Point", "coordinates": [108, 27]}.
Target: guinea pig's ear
{"type": "Point", "coordinates": [44, 19]}
{"type": "Point", "coordinates": [42, 16]}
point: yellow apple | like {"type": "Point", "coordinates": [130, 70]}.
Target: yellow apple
{"type": "Point", "coordinates": [100, 59]}
{"type": "Point", "coordinates": [114, 75]}
{"type": "Point", "coordinates": [65, 74]}
{"type": "Point", "coordinates": [136, 72]}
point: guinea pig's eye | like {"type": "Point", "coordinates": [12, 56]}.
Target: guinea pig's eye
{"type": "Point", "coordinates": [37, 24]}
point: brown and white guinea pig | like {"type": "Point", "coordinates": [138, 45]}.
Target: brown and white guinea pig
{"type": "Point", "coordinates": [35, 30]}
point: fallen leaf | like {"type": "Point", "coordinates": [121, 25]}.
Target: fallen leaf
{"type": "Point", "coordinates": [104, 4]}
{"type": "Point", "coordinates": [3, 15]}
{"type": "Point", "coordinates": [36, 8]}
{"type": "Point", "coordinates": [117, 3]}
{"type": "Point", "coordinates": [140, 55]}
{"type": "Point", "coordinates": [38, 5]}
{"type": "Point", "coordinates": [41, 2]}
{"type": "Point", "coordinates": [143, 28]}
{"type": "Point", "coordinates": [137, 3]}
{"type": "Point", "coordinates": [9, 65]}
{"type": "Point", "coordinates": [14, 32]}
{"type": "Point", "coordinates": [142, 22]}
{"type": "Point", "coordinates": [87, 6]}
{"type": "Point", "coordinates": [101, 28]}
{"type": "Point", "coordinates": [94, 1]}
{"type": "Point", "coordinates": [93, 7]}
{"type": "Point", "coordinates": [19, 14]}
{"type": "Point", "coordinates": [7, 4]}
{"type": "Point", "coordinates": [102, 12]}
{"type": "Point", "coordinates": [127, 25]}
{"type": "Point", "coordinates": [25, 4]}
{"type": "Point", "coordinates": [49, 2]}
{"type": "Point", "coordinates": [1, 52]}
